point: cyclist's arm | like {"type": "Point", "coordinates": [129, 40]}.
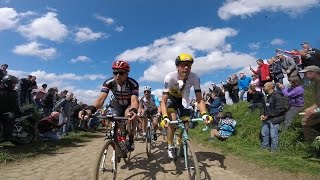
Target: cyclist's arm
{"type": "Point", "coordinates": [100, 100]}
{"type": "Point", "coordinates": [163, 105]}
{"type": "Point", "coordinates": [134, 102]}
{"type": "Point", "coordinates": [141, 105]}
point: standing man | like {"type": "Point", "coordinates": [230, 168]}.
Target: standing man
{"type": "Point", "coordinates": [65, 109]}
{"type": "Point", "coordinates": [175, 96]}
{"type": "Point", "coordinates": [244, 83]}
{"type": "Point", "coordinates": [263, 72]}
{"type": "Point", "coordinates": [288, 65]}
{"type": "Point", "coordinates": [3, 70]}
{"type": "Point", "coordinates": [311, 118]}
{"type": "Point", "coordinates": [126, 91]}
{"type": "Point", "coordinates": [273, 113]}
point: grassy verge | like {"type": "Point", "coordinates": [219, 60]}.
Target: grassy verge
{"type": "Point", "coordinates": [294, 154]}
{"type": "Point", "coordinates": [10, 152]}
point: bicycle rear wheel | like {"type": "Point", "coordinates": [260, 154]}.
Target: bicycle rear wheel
{"type": "Point", "coordinates": [107, 161]}
{"type": "Point", "coordinates": [191, 161]}
{"type": "Point", "coordinates": [148, 141]}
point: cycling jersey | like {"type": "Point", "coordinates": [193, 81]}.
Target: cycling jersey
{"type": "Point", "coordinates": [122, 93]}
{"type": "Point", "coordinates": [179, 90]}
{"type": "Point", "coordinates": [151, 104]}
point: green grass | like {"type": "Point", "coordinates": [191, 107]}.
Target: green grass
{"type": "Point", "coordinates": [294, 154]}
{"type": "Point", "coordinates": [10, 152]}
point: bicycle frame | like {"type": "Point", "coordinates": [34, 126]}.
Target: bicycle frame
{"type": "Point", "coordinates": [180, 124]}
{"type": "Point", "coordinates": [114, 128]}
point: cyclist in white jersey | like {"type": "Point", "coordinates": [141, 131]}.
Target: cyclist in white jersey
{"type": "Point", "coordinates": [149, 105]}
{"type": "Point", "coordinates": [175, 97]}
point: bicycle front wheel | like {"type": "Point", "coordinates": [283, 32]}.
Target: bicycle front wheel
{"type": "Point", "coordinates": [106, 163]}
{"type": "Point", "coordinates": [148, 141]}
{"type": "Point", "coordinates": [191, 161]}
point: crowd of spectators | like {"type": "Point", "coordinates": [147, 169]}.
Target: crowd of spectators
{"type": "Point", "coordinates": [277, 103]}
{"type": "Point", "coordinates": [60, 112]}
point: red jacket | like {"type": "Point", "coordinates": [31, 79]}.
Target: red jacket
{"type": "Point", "coordinates": [263, 72]}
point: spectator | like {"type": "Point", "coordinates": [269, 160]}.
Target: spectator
{"type": "Point", "coordinates": [311, 119]}
{"type": "Point", "coordinates": [244, 83]}
{"type": "Point", "coordinates": [289, 65]}
{"type": "Point", "coordinates": [3, 70]}
{"type": "Point", "coordinates": [256, 82]}
{"type": "Point", "coordinates": [255, 98]}
{"type": "Point", "coordinates": [295, 98]}
{"type": "Point", "coordinates": [39, 95]}
{"type": "Point", "coordinates": [276, 70]}
{"type": "Point", "coordinates": [272, 114]}
{"type": "Point", "coordinates": [226, 127]}
{"type": "Point", "coordinates": [48, 102]}
{"type": "Point", "coordinates": [262, 72]}
{"type": "Point", "coordinates": [233, 88]}
{"type": "Point", "coordinates": [65, 109]}
{"type": "Point", "coordinates": [218, 91]}
{"type": "Point", "coordinates": [48, 127]}
{"type": "Point", "coordinates": [34, 82]}
{"type": "Point", "coordinates": [24, 90]}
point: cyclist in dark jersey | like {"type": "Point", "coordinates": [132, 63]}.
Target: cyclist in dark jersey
{"type": "Point", "coordinates": [125, 91]}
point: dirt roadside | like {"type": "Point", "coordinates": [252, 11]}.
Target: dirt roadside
{"type": "Point", "coordinates": [77, 163]}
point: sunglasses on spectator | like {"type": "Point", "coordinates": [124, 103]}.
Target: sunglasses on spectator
{"type": "Point", "coordinates": [120, 73]}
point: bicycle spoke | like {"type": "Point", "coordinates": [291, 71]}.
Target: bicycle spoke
{"type": "Point", "coordinates": [106, 166]}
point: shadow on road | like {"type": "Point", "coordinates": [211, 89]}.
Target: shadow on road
{"type": "Point", "coordinates": [153, 165]}
{"type": "Point", "coordinates": [203, 157]}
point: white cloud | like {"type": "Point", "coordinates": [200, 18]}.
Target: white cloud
{"type": "Point", "coordinates": [119, 28]}
{"type": "Point", "coordinates": [35, 49]}
{"type": "Point", "coordinates": [105, 20]}
{"type": "Point", "coordinates": [26, 14]}
{"type": "Point", "coordinates": [86, 34]}
{"type": "Point", "coordinates": [210, 44]}
{"type": "Point", "coordinates": [9, 18]}
{"type": "Point", "coordinates": [46, 27]}
{"type": "Point", "coordinates": [277, 42]}
{"type": "Point", "coordinates": [80, 59]}
{"type": "Point", "coordinates": [248, 8]}
{"type": "Point", "coordinates": [254, 46]}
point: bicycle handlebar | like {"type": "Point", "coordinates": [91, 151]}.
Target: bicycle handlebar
{"type": "Point", "coordinates": [112, 117]}
{"type": "Point", "coordinates": [181, 121]}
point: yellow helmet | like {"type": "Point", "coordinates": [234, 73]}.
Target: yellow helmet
{"type": "Point", "coordinates": [184, 58]}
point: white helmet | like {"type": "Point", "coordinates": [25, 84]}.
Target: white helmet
{"type": "Point", "coordinates": [146, 88]}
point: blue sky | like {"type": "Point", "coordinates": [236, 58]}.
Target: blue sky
{"type": "Point", "coordinates": [71, 44]}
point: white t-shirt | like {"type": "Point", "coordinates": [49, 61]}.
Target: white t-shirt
{"type": "Point", "coordinates": [179, 89]}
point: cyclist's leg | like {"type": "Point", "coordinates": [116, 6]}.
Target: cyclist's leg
{"type": "Point", "coordinates": [155, 121]}
{"type": "Point", "coordinates": [144, 123]}
{"type": "Point", "coordinates": [131, 127]}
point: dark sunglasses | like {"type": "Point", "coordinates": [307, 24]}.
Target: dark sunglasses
{"type": "Point", "coordinates": [147, 92]}
{"type": "Point", "coordinates": [120, 73]}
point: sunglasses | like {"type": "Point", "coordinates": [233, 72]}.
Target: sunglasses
{"type": "Point", "coordinates": [120, 73]}
{"type": "Point", "coordinates": [147, 92]}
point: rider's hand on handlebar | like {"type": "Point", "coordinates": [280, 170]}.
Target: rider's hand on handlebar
{"type": "Point", "coordinates": [207, 119]}
{"type": "Point", "coordinates": [132, 116]}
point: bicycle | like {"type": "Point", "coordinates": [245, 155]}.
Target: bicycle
{"type": "Point", "coordinates": [184, 148]}
{"type": "Point", "coordinates": [117, 143]}
{"type": "Point", "coordinates": [149, 138]}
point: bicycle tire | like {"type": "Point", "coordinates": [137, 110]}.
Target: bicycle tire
{"type": "Point", "coordinates": [193, 172]}
{"type": "Point", "coordinates": [148, 142]}
{"type": "Point", "coordinates": [110, 173]}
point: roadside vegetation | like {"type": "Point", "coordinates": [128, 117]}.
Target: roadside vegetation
{"type": "Point", "coordinates": [294, 155]}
